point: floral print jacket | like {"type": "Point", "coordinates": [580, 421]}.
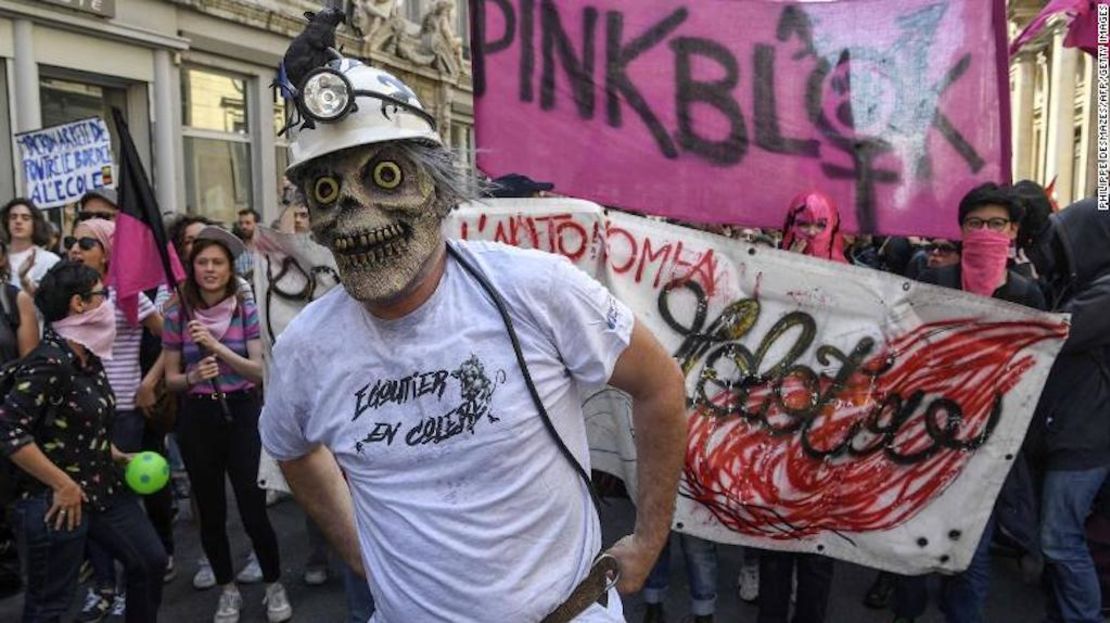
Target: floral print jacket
{"type": "Point", "coordinates": [67, 409]}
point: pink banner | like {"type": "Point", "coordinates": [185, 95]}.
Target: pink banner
{"type": "Point", "coordinates": [722, 110]}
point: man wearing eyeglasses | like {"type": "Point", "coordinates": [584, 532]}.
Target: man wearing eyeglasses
{"type": "Point", "coordinates": [989, 216]}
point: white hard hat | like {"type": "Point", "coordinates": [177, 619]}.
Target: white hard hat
{"type": "Point", "coordinates": [348, 104]}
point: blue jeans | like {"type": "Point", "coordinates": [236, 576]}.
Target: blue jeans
{"type": "Point", "coordinates": [701, 573]}
{"type": "Point", "coordinates": [1066, 501]}
{"type": "Point", "coordinates": [360, 603]}
{"type": "Point", "coordinates": [127, 435]}
{"type": "Point", "coordinates": [964, 595]}
{"type": "Point", "coordinates": [54, 557]}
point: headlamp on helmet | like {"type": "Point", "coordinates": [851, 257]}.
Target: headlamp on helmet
{"type": "Point", "coordinates": [327, 95]}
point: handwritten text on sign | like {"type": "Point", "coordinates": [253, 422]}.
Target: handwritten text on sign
{"type": "Point", "coordinates": [722, 111]}
{"type": "Point", "coordinates": [832, 409]}
{"type": "Point", "coordinates": [63, 162]}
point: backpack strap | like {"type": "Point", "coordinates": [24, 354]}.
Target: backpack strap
{"type": "Point", "coordinates": [503, 311]}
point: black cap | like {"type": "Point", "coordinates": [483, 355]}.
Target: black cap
{"type": "Point", "coordinates": [517, 185]}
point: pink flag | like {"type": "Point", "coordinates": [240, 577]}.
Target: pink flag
{"type": "Point", "coordinates": [136, 265]}
{"type": "Point", "coordinates": [142, 257]}
{"type": "Point", "coordinates": [1082, 29]}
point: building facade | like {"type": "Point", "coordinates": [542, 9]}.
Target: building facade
{"type": "Point", "coordinates": [193, 79]}
{"type": "Point", "coordinates": [1053, 100]}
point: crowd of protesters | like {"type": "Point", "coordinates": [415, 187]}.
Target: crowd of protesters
{"type": "Point", "coordinates": [90, 380]}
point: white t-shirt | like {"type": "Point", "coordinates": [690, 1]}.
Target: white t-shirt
{"type": "Point", "coordinates": [123, 369]}
{"type": "Point", "coordinates": [466, 509]}
{"type": "Point", "coordinates": [43, 261]}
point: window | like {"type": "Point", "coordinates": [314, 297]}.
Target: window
{"type": "Point", "coordinates": [462, 13]}
{"type": "Point", "coordinates": [217, 143]}
{"type": "Point", "coordinates": [64, 101]}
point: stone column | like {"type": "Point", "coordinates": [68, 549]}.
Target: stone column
{"type": "Point", "coordinates": [1025, 74]}
{"type": "Point", "coordinates": [166, 161]}
{"type": "Point", "coordinates": [264, 150]}
{"type": "Point", "coordinates": [1061, 118]}
{"type": "Point", "coordinates": [25, 78]}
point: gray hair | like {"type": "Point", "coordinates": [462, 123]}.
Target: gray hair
{"type": "Point", "coordinates": [454, 182]}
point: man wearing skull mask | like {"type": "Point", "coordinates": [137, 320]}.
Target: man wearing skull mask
{"type": "Point", "coordinates": [464, 498]}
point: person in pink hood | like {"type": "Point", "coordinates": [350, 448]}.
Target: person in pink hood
{"type": "Point", "coordinates": [813, 227]}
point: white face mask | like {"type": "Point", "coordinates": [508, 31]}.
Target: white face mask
{"type": "Point", "coordinates": [94, 329]}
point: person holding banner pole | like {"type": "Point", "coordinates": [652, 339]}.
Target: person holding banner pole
{"type": "Point", "coordinates": [812, 228]}
{"type": "Point", "coordinates": [989, 218]}
{"type": "Point", "coordinates": [28, 234]}
{"type": "Point", "coordinates": [213, 355]}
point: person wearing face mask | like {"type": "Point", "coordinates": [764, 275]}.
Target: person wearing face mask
{"type": "Point", "coordinates": [213, 354]}
{"type": "Point", "coordinates": [1069, 437]}
{"type": "Point", "coordinates": [91, 245]}
{"type": "Point", "coordinates": [813, 227]}
{"type": "Point", "coordinates": [54, 427]}
{"type": "Point", "coordinates": [989, 217]}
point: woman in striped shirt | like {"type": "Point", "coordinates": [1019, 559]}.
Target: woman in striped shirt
{"type": "Point", "coordinates": [213, 353]}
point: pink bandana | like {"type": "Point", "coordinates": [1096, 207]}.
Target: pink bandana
{"type": "Point", "coordinates": [218, 317]}
{"type": "Point", "coordinates": [95, 330]}
{"type": "Point", "coordinates": [983, 263]}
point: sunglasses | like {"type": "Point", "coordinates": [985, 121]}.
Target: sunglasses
{"type": "Point", "coordinates": [89, 295]}
{"type": "Point", "coordinates": [944, 248]}
{"type": "Point", "coordinates": [84, 216]}
{"type": "Point", "coordinates": [86, 243]}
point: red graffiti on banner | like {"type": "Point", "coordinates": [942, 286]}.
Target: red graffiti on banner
{"type": "Point", "coordinates": [789, 453]}
{"type": "Point", "coordinates": [660, 262]}
{"type": "Point", "coordinates": [554, 233]}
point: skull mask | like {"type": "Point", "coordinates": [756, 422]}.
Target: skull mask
{"type": "Point", "coordinates": [377, 208]}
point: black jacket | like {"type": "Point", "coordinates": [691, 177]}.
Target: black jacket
{"type": "Point", "coordinates": [1017, 288]}
{"type": "Point", "coordinates": [1071, 428]}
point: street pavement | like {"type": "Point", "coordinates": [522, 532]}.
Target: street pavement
{"type": "Point", "coordinates": [1010, 600]}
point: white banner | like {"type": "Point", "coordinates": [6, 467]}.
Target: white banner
{"type": "Point", "coordinates": [63, 162]}
{"type": "Point", "coordinates": [832, 409]}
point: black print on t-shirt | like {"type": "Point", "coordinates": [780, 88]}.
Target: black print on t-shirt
{"type": "Point", "coordinates": [400, 391]}
{"type": "Point", "coordinates": [475, 391]}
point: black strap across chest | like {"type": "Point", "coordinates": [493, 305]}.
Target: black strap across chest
{"type": "Point", "coordinates": [503, 311]}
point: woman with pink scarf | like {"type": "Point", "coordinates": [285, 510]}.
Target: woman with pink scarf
{"type": "Point", "coordinates": [213, 354]}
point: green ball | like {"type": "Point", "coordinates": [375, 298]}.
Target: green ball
{"type": "Point", "coordinates": [147, 472]}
